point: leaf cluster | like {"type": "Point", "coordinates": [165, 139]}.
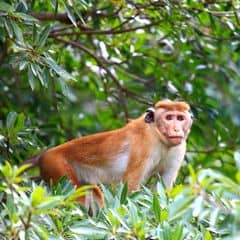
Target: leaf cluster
{"type": "Point", "coordinates": [206, 208]}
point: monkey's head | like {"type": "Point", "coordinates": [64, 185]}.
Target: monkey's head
{"type": "Point", "coordinates": [172, 120]}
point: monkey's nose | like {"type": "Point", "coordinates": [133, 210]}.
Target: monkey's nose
{"type": "Point", "coordinates": [177, 129]}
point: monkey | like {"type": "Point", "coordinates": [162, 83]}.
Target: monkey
{"type": "Point", "coordinates": [153, 143]}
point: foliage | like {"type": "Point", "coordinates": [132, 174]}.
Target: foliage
{"type": "Point", "coordinates": [71, 68]}
{"type": "Point", "coordinates": [207, 208]}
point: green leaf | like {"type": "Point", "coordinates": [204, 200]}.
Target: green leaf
{"type": "Point", "coordinates": [162, 194]}
{"type": "Point", "coordinates": [45, 76]}
{"type": "Point", "coordinates": [198, 206]}
{"type": "Point", "coordinates": [118, 218]}
{"type": "Point", "coordinates": [2, 26]}
{"type": "Point", "coordinates": [20, 122]}
{"type": "Point", "coordinates": [124, 192]}
{"type": "Point", "coordinates": [2, 138]}
{"type": "Point", "coordinates": [22, 65]}
{"type": "Point", "coordinates": [214, 217]}
{"type": "Point", "coordinates": [26, 17]}
{"type": "Point", "coordinates": [48, 203]}
{"type": "Point", "coordinates": [35, 35]}
{"type": "Point", "coordinates": [237, 159]}
{"type": "Point", "coordinates": [7, 170]}
{"type": "Point", "coordinates": [41, 76]}
{"type": "Point", "coordinates": [41, 232]}
{"type": "Point", "coordinates": [8, 26]}
{"type": "Point", "coordinates": [176, 190]}
{"type": "Point", "coordinates": [11, 119]}
{"type": "Point", "coordinates": [133, 212]}
{"type": "Point", "coordinates": [37, 196]}
{"type": "Point", "coordinates": [70, 15]}
{"type": "Point", "coordinates": [180, 205]}
{"type": "Point", "coordinates": [208, 235]}
{"type": "Point", "coordinates": [238, 176]}
{"type": "Point", "coordinates": [5, 7]}
{"type": "Point", "coordinates": [79, 14]}
{"type": "Point", "coordinates": [55, 4]}
{"type": "Point", "coordinates": [81, 191]}
{"type": "Point", "coordinates": [84, 4]}
{"type": "Point", "coordinates": [64, 87]}
{"type": "Point", "coordinates": [17, 32]}
{"type": "Point", "coordinates": [43, 36]}
{"type": "Point", "coordinates": [34, 69]}
{"type": "Point", "coordinates": [192, 173]}
{"type": "Point", "coordinates": [31, 79]}
{"type": "Point", "coordinates": [11, 209]}
{"type": "Point", "coordinates": [178, 232]}
{"type": "Point", "coordinates": [89, 231]}
{"type": "Point", "coordinates": [156, 207]}
{"type": "Point", "coordinates": [60, 71]}
{"type": "Point", "coordinates": [22, 169]}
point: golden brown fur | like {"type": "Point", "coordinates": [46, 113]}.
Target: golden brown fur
{"type": "Point", "coordinates": [129, 154]}
{"type": "Point", "coordinates": [171, 105]}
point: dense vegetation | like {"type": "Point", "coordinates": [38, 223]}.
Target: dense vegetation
{"type": "Point", "coordinates": [71, 68]}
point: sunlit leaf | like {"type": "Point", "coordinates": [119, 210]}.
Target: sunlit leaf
{"type": "Point", "coordinates": [37, 196]}
{"type": "Point", "coordinates": [208, 236]}
{"type": "Point", "coordinates": [7, 170]}
{"type": "Point", "coordinates": [22, 169]}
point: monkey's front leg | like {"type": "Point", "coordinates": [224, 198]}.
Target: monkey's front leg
{"type": "Point", "coordinates": [134, 173]}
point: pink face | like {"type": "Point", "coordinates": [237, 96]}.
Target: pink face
{"type": "Point", "coordinates": [174, 125]}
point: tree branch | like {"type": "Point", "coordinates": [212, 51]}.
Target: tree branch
{"type": "Point", "coordinates": [105, 32]}
{"type": "Point", "coordinates": [44, 16]}
{"type": "Point", "coordinates": [4, 52]}
{"type": "Point", "coordinates": [102, 65]}
{"type": "Point", "coordinates": [62, 17]}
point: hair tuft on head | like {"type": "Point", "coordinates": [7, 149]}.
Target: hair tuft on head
{"type": "Point", "coordinates": [173, 105]}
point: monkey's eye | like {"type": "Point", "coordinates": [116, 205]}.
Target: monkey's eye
{"type": "Point", "coordinates": [169, 117]}
{"type": "Point", "coordinates": [180, 118]}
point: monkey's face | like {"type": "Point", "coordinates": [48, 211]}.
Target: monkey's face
{"type": "Point", "coordinates": [174, 125]}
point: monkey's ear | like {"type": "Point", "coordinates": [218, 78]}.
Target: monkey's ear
{"type": "Point", "coordinates": [149, 117]}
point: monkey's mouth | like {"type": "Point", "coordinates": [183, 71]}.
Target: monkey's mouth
{"type": "Point", "coordinates": [175, 139]}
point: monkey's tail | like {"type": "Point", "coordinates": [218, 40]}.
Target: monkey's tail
{"type": "Point", "coordinates": [34, 161]}
{"type": "Point", "coordinates": [98, 195]}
